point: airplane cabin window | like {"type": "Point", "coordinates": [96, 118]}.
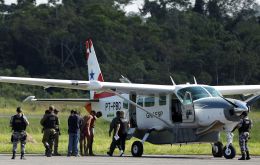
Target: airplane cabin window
{"type": "Point", "coordinates": [197, 92]}
{"type": "Point", "coordinates": [140, 102]}
{"type": "Point", "coordinates": [149, 101]}
{"type": "Point", "coordinates": [212, 91]}
{"type": "Point", "coordinates": [125, 105]}
{"type": "Point", "coordinates": [162, 100]}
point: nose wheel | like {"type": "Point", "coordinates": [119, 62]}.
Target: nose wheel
{"type": "Point", "coordinates": [137, 149]}
{"type": "Point", "coordinates": [229, 152]}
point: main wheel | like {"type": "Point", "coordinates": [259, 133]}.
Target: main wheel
{"type": "Point", "coordinates": [229, 152]}
{"type": "Point", "coordinates": [217, 149]}
{"type": "Point", "coordinates": [137, 149]}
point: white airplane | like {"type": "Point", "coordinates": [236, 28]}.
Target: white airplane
{"type": "Point", "coordinates": [160, 114]}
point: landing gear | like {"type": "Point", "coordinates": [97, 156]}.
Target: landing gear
{"type": "Point", "coordinates": [137, 149]}
{"type": "Point", "coordinates": [229, 152]}
{"type": "Point", "coordinates": [217, 149]}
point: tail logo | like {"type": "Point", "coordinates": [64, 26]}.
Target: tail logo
{"type": "Point", "coordinates": [91, 75]}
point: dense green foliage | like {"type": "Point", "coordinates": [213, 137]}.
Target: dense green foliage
{"type": "Point", "coordinates": [218, 41]}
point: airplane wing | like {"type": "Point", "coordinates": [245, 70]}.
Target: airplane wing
{"type": "Point", "coordinates": [141, 89]}
{"type": "Point", "coordinates": [46, 83]}
{"type": "Point", "coordinates": [92, 85]}
{"type": "Point", "coordinates": [238, 89]}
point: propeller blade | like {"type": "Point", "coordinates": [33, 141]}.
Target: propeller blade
{"type": "Point", "coordinates": [230, 102]}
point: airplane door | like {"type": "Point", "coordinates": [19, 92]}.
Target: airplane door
{"type": "Point", "coordinates": [188, 113]}
{"type": "Point", "coordinates": [132, 112]}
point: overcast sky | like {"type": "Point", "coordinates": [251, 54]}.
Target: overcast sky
{"type": "Point", "coordinates": [134, 7]}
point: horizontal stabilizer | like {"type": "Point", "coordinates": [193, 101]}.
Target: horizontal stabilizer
{"type": "Point", "coordinates": [215, 126]}
{"type": "Point", "coordinates": [70, 101]}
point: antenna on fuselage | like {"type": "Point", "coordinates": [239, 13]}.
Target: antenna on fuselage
{"type": "Point", "coordinates": [173, 83]}
{"type": "Point", "coordinates": [195, 81]}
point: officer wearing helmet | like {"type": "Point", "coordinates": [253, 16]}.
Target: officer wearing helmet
{"type": "Point", "coordinates": [244, 127]}
{"type": "Point", "coordinates": [19, 123]}
{"type": "Point", "coordinates": [49, 122]}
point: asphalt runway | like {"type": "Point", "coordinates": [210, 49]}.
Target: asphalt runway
{"type": "Point", "coordinates": [126, 160]}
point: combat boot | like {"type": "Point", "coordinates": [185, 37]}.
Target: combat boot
{"type": "Point", "coordinates": [13, 157]}
{"type": "Point", "coordinates": [247, 155]}
{"type": "Point", "coordinates": [243, 157]}
{"type": "Point", "coordinates": [48, 151]}
{"type": "Point", "coordinates": [22, 156]}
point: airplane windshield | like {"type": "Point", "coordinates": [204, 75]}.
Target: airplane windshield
{"type": "Point", "coordinates": [196, 92]}
{"type": "Point", "coordinates": [212, 91]}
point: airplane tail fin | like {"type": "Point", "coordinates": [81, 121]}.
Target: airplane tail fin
{"type": "Point", "coordinates": [94, 71]}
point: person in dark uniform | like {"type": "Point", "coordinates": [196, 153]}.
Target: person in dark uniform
{"type": "Point", "coordinates": [57, 135]}
{"type": "Point", "coordinates": [244, 127]}
{"type": "Point", "coordinates": [115, 142]}
{"type": "Point", "coordinates": [119, 138]}
{"type": "Point", "coordinates": [49, 122]}
{"type": "Point", "coordinates": [122, 132]}
{"type": "Point", "coordinates": [19, 123]}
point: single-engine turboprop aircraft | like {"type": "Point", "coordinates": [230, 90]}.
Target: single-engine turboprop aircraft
{"type": "Point", "coordinates": [161, 114]}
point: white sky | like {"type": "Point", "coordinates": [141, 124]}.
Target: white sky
{"type": "Point", "coordinates": [130, 8]}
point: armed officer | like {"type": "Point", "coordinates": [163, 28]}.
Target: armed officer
{"type": "Point", "coordinates": [244, 128]}
{"type": "Point", "coordinates": [19, 123]}
{"type": "Point", "coordinates": [50, 123]}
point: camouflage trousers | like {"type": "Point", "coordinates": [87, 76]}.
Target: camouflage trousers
{"type": "Point", "coordinates": [19, 137]}
{"type": "Point", "coordinates": [48, 137]}
{"type": "Point", "coordinates": [243, 139]}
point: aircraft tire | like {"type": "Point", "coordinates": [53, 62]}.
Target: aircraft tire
{"type": "Point", "coordinates": [218, 151]}
{"type": "Point", "coordinates": [230, 152]}
{"type": "Point", "coordinates": [137, 149]}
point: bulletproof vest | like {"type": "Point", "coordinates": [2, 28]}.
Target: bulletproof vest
{"type": "Point", "coordinates": [123, 127]}
{"type": "Point", "coordinates": [50, 121]}
{"type": "Point", "coordinates": [18, 123]}
{"type": "Point", "coordinates": [246, 123]}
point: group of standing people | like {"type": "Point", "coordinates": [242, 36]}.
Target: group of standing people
{"type": "Point", "coordinates": [82, 129]}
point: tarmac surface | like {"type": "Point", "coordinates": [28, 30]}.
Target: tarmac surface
{"type": "Point", "coordinates": [126, 160]}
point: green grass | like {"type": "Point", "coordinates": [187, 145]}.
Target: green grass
{"type": "Point", "coordinates": [102, 141]}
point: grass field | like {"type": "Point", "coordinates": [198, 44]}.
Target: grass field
{"type": "Point", "coordinates": [102, 141]}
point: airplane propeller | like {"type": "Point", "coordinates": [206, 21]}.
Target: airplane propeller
{"type": "Point", "coordinates": [238, 107]}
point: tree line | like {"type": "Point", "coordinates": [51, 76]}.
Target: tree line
{"type": "Point", "coordinates": [217, 41]}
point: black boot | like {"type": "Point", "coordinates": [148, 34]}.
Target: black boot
{"type": "Point", "coordinates": [13, 157]}
{"type": "Point", "coordinates": [243, 157]}
{"type": "Point", "coordinates": [48, 151]}
{"type": "Point", "coordinates": [22, 156]}
{"type": "Point", "coordinates": [247, 155]}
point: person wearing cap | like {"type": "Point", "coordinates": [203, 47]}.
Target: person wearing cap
{"type": "Point", "coordinates": [56, 139]}
{"type": "Point", "coordinates": [49, 122]}
{"type": "Point", "coordinates": [244, 127]}
{"type": "Point", "coordinates": [19, 123]}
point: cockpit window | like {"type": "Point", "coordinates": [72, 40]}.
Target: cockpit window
{"type": "Point", "coordinates": [196, 92]}
{"type": "Point", "coordinates": [212, 91]}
